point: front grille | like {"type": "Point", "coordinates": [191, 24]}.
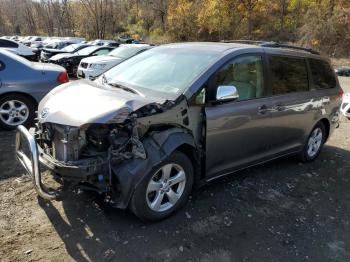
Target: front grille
{"type": "Point", "coordinates": [84, 65]}
{"type": "Point", "coordinates": [66, 143]}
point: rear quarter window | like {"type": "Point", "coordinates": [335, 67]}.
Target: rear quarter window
{"type": "Point", "coordinates": [322, 74]}
{"type": "Point", "coordinates": [288, 74]}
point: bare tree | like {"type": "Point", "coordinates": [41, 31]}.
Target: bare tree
{"type": "Point", "coordinates": [249, 5]}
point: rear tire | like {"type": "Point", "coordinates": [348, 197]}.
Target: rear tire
{"type": "Point", "coordinates": [16, 110]}
{"type": "Point", "coordinates": [314, 143]}
{"type": "Point", "coordinates": [164, 190]}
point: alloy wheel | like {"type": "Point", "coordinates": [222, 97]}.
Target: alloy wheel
{"type": "Point", "coordinates": [315, 142]}
{"type": "Point", "coordinates": [166, 187]}
{"type": "Point", "coordinates": [14, 112]}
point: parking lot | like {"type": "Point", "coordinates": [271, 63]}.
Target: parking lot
{"type": "Point", "coordinates": [281, 211]}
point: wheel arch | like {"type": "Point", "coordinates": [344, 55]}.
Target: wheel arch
{"type": "Point", "coordinates": [35, 102]}
{"type": "Point", "coordinates": [327, 126]}
{"type": "Point", "coordinates": [192, 153]}
{"type": "Point", "coordinates": [158, 145]}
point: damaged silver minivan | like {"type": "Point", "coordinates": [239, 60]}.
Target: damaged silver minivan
{"type": "Point", "coordinates": [148, 130]}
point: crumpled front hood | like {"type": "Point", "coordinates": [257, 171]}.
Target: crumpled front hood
{"type": "Point", "coordinates": [85, 102]}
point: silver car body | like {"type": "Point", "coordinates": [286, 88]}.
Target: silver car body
{"type": "Point", "coordinates": [21, 76]}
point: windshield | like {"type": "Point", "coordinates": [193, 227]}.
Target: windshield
{"type": "Point", "coordinates": [87, 50]}
{"type": "Point", "coordinates": [125, 51]}
{"type": "Point", "coordinates": [162, 72]}
{"type": "Point", "coordinates": [71, 48]}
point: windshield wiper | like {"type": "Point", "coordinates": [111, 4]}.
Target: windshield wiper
{"type": "Point", "coordinates": [126, 88]}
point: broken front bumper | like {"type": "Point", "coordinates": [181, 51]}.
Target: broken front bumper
{"type": "Point", "coordinates": [31, 163]}
{"type": "Point", "coordinates": [31, 156]}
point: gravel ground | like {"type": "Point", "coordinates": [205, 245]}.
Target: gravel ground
{"type": "Point", "coordinates": [281, 211]}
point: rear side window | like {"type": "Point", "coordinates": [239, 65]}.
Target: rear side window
{"type": "Point", "coordinates": [8, 44]}
{"type": "Point", "coordinates": [322, 74]}
{"type": "Point", "coordinates": [288, 74]}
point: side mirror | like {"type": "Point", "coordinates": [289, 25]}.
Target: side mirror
{"type": "Point", "coordinates": [226, 93]}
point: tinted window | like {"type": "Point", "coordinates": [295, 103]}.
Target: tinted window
{"type": "Point", "coordinates": [87, 51]}
{"type": "Point", "coordinates": [245, 73]}
{"type": "Point", "coordinates": [288, 75]}
{"type": "Point", "coordinates": [322, 74]}
{"type": "Point", "coordinates": [102, 52]}
{"type": "Point", "coordinates": [9, 44]}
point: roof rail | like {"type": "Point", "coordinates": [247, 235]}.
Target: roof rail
{"type": "Point", "coordinates": [281, 45]}
{"type": "Point", "coordinates": [248, 42]}
{"type": "Point", "coordinates": [272, 45]}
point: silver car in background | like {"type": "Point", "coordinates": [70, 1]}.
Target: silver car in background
{"type": "Point", "coordinates": [22, 85]}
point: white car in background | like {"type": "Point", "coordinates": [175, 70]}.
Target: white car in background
{"type": "Point", "coordinates": [345, 107]}
{"type": "Point", "coordinates": [102, 42]}
{"type": "Point", "coordinates": [18, 49]}
{"type": "Point", "coordinates": [92, 67]}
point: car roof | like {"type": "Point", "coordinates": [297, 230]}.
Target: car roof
{"type": "Point", "coordinates": [222, 47]}
{"type": "Point", "coordinates": [136, 45]}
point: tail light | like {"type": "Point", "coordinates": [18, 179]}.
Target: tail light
{"type": "Point", "coordinates": [63, 77]}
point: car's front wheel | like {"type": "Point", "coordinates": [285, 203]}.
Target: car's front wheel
{"type": "Point", "coordinates": [314, 143]}
{"type": "Point", "coordinates": [16, 110]}
{"type": "Point", "coordinates": [165, 189]}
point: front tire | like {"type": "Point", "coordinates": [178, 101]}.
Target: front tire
{"type": "Point", "coordinates": [314, 143]}
{"type": "Point", "coordinates": [16, 110]}
{"type": "Point", "coordinates": [164, 190]}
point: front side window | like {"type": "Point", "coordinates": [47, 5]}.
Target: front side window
{"type": "Point", "coordinates": [87, 50]}
{"type": "Point", "coordinates": [322, 74]}
{"type": "Point", "coordinates": [288, 74]}
{"type": "Point", "coordinates": [70, 48]}
{"type": "Point", "coordinates": [102, 52]}
{"type": "Point", "coordinates": [245, 73]}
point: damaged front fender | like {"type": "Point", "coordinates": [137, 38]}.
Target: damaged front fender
{"type": "Point", "coordinates": [158, 146]}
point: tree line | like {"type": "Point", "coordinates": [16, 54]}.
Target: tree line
{"type": "Point", "coordinates": [321, 24]}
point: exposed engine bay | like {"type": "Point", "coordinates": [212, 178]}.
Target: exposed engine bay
{"type": "Point", "coordinates": [109, 158]}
